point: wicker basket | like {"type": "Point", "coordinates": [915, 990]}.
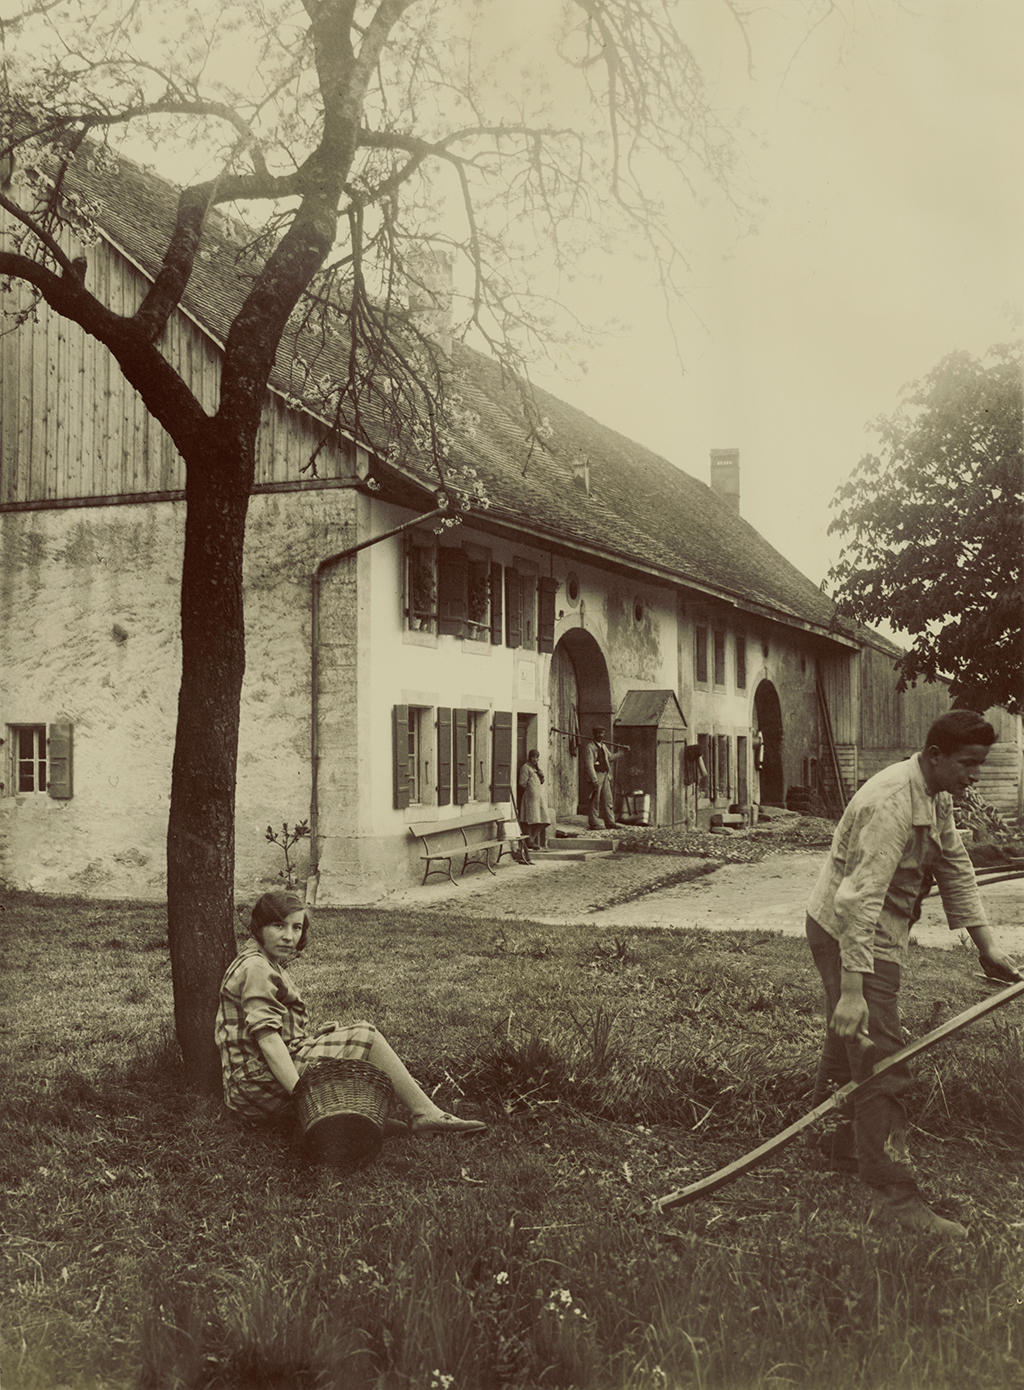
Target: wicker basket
{"type": "Point", "coordinates": [341, 1107]}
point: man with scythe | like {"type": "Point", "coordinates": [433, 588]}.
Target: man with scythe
{"type": "Point", "coordinates": [896, 829]}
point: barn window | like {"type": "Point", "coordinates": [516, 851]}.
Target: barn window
{"type": "Point", "coordinates": [741, 661]}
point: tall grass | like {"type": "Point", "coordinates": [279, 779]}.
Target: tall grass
{"type": "Point", "coordinates": [152, 1243]}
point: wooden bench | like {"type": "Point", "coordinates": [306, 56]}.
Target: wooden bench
{"type": "Point", "coordinates": [443, 841]}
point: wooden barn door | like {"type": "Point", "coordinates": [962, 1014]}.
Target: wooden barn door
{"type": "Point", "coordinates": [563, 790]}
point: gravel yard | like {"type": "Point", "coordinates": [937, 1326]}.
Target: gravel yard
{"type": "Point", "coordinates": [756, 880]}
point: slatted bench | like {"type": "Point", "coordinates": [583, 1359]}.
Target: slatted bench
{"type": "Point", "coordinates": [473, 840]}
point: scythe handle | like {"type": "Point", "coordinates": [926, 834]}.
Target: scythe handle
{"type": "Point", "coordinates": [770, 1146]}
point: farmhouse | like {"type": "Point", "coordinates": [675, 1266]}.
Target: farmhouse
{"type": "Point", "coordinates": [397, 668]}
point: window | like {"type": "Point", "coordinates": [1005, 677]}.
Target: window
{"type": "Point", "coordinates": [478, 597]}
{"type": "Point", "coordinates": [477, 755]}
{"type": "Point", "coordinates": [741, 661]}
{"type": "Point", "coordinates": [719, 649]}
{"type": "Point", "coordinates": [528, 601]}
{"type": "Point", "coordinates": [29, 754]}
{"type": "Point", "coordinates": [722, 768]}
{"type": "Point", "coordinates": [408, 731]}
{"type": "Point", "coordinates": [451, 590]}
{"type": "Point", "coordinates": [700, 654]}
{"type": "Point", "coordinates": [706, 745]}
{"type": "Point", "coordinates": [40, 759]}
{"type": "Point", "coordinates": [421, 584]}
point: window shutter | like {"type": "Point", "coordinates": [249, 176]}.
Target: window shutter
{"type": "Point", "coordinates": [444, 757]}
{"type": "Point", "coordinates": [501, 756]}
{"type": "Point", "coordinates": [496, 605]}
{"type": "Point", "coordinates": [58, 757]}
{"type": "Point", "coordinates": [452, 591]}
{"type": "Point", "coordinates": [400, 753]}
{"type": "Point", "coordinates": [513, 609]}
{"type": "Point", "coordinates": [460, 730]}
{"type": "Point", "coordinates": [546, 615]}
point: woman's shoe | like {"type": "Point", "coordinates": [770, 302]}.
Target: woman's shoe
{"type": "Point", "coordinates": [445, 1124]}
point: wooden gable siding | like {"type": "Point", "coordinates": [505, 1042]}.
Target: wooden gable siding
{"type": "Point", "coordinates": [71, 427]}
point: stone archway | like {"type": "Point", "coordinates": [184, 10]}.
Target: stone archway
{"type": "Point", "coordinates": [768, 723]}
{"type": "Point", "coordinates": [580, 694]}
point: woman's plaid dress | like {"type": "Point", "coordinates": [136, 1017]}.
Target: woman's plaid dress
{"type": "Point", "coordinates": [258, 997]}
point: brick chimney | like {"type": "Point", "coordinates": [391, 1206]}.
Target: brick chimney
{"type": "Point", "coordinates": [725, 476]}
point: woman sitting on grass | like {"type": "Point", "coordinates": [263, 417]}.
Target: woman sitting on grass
{"type": "Point", "coordinates": [261, 1028]}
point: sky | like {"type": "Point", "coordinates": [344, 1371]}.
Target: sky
{"type": "Point", "coordinates": [884, 145]}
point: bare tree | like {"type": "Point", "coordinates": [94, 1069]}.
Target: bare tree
{"type": "Point", "coordinates": [353, 137]}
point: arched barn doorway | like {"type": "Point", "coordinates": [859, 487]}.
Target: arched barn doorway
{"type": "Point", "coordinates": [768, 723]}
{"type": "Point", "coordinates": [580, 697]}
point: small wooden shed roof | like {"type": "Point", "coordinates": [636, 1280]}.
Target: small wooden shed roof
{"type": "Point", "coordinates": [650, 709]}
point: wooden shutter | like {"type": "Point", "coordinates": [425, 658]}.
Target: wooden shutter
{"type": "Point", "coordinates": [546, 613]}
{"type": "Point", "coordinates": [452, 591]}
{"type": "Point", "coordinates": [496, 605]}
{"type": "Point", "coordinates": [400, 754]}
{"type": "Point", "coordinates": [501, 756]}
{"type": "Point", "coordinates": [444, 757]}
{"type": "Point", "coordinates": [460, 740]}
{"type": "Point", "coordinates": [58, 757]}
{"type": "Point", "coordinates": [513, 609]}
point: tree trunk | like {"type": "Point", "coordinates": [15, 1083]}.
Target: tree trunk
{"type": "Point", "coordinates": [200, 832]}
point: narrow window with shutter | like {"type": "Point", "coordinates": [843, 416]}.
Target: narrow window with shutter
{"type": "Point", "coordinates": [700, 654]}
{"type": "Point", "coordinates": [400, 754]}
{"type": "Point", "coordinates": [460, 743]}
{"type": "Point", "coordinates": [501, 756]}
{"type": "Point", "coordinates": [444, 757]}
{"type": "Point", "coordinates": [546, 613]}
{"type": "Point", "coordinates": [496, 604]}
{"type": "Point", "coordinates": [452, 591]}
{"type": "Point", "coordinates": [478, 595]}
{"type": "Point", "coordinates": [513, 609]}
{"type": "Point", "coordinates": [59, 759]}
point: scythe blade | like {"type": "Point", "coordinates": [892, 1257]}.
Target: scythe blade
{"type": "Point", "coordinates": [770, 1146]}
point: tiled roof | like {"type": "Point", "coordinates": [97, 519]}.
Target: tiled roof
{"type": "Point", "coordinates": [641, 510]}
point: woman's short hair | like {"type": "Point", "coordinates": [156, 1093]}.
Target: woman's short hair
{"type": "Point", "coordinates": [275, 906]}
{"type": "Point", "coordinates": [957, 729]}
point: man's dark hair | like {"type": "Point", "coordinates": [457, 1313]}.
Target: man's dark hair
{"type": "Point", "coordinates": [958, 728]}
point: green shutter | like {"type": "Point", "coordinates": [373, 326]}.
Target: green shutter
{"type": "Point", "coordinates": [444, 757]}
{"type": "Point", "coordinates": [460, 739]}
{"type": "Point", "coordinates": [58, 757]}
{"type": "Point", "coordinates": [452, 591]}
{"type": "Point", "coordinates": [546, 615]}
{"type": "Point", "coordinates": [513, 609]}
{"type": "Point", "coordinates": [400, 754]}
{"type": "Point", "coordinates": [501, 756]}
{"type": "Point", "coordinates": [496, 605]}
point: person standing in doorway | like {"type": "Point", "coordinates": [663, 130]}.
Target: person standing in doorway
{"type": "Point", "coordinates": [534, 816]}
{"type": "Point", "coordinates": [598, 757]}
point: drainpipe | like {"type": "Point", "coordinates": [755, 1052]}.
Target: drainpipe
{"type": "Point", "coordinates": [314, 651]}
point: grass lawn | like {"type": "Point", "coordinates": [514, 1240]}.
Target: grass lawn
{"type": "Point", "coordinates": [150, 1242]}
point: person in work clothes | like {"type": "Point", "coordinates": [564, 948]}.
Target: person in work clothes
{"type": "Point", "coordinates": [263, 1035]}
{"type": "Point", "coordinates": [534, 816]}
{"type": "Point", "coordinates": [597, 764]}
{"type": "Point", "coordinates": [897, 829]}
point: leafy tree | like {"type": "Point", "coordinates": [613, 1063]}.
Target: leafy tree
{"type": "Point", "coordinates": [934, 523]}
{"type": "Point", "coordinates": [354, 137]}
